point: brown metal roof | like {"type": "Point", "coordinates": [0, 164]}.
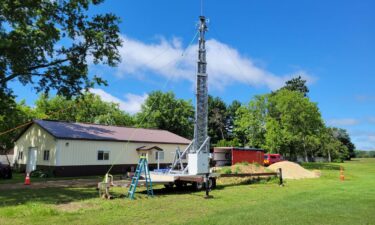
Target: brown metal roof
{"type": "Point", "coordinates": [85, 131]}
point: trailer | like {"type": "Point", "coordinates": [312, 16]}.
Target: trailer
{"type": "Point", "coordinates": [225, 156]}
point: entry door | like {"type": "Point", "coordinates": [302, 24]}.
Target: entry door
{"type": "Point", "coordinates": [31, 160]}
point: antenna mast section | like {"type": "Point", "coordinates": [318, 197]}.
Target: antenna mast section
{"type": "Point", "coordinates": [201, 111]}
{"type": "Point", "coordinates": [198, 157]}
{"type": "Point", "coordinates": [199, 149]}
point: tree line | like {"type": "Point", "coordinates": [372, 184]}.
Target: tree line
{"type": "Point", "coordinates": [285, 121]}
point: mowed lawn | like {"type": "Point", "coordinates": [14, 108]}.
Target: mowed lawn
{"type": "Point", "coordinates": [326, 200]}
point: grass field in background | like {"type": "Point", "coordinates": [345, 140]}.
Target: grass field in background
{"type": "Point", "coordinates": [325, 200]}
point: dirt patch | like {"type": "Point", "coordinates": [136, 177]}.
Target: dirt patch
{"type": "Point", "coordinates": [293, 170]}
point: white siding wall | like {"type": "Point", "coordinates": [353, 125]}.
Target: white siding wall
{"type": "Point", "coordinates": [4, 160]}
{"type": "Point", "coordinates": [37, 137]}
{"type": "Point", "coordinates": [82, 152]}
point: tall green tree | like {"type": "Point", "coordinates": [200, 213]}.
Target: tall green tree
{"type": "Point", "coordinates": [343, 136]}
{"type": "Point", "coordinates": [283, 122]}
{"type": "Point", "coordinates": [217, 116]}
{"type": "Point", "coordinates": [298, 116]}
{"type": "Point", "coordinates": [47, 44]}
{"type": "Point", "coordinates": [10, 117]}
{"type": "Point", "coordinates": [275, 137]}
{"type": "Point", "coordinates": [297, 84]}
{"type": "Point", "coordinates": [231, 117]}
{"type": "Point", "coordinates": [87, 108]}
{"type": "Point", "coordinates": [250, 123]}
{"type": "Point", "coordinates": [331, 146]}
{"type": "Point", "coordinates": [165, 111]}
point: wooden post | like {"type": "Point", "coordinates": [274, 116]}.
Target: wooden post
{"type": "Point", "coordinates": [281, 177]}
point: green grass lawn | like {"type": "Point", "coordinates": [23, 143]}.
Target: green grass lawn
{"type": "Point", "coordinates": [326, 200]}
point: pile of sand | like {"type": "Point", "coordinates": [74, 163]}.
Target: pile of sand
{"type": "Point", "coordinates": [241, 168]}
{"type": "Point", "coordinates": [292, 170]}
{"type": "Point", "coordinates": [250, 168]}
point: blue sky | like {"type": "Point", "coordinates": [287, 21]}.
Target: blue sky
{"type": "Point", "coordinates": [253, 47]}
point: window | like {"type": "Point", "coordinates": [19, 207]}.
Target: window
{"type": "Point", "coordinates": [46, 155]}
{"type": "Point", "coordinates": [159, 155]}
{"type": "Point", "coordinates": [103, 155]}
{"type": "Point", "coordinates": [20, 156]}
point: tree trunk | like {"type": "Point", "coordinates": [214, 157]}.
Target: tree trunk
{"type": "Point", "coordinates": [222, 134]}
{"type": "Point", "coordinates": [329, 156]}
{"type": "Point", "coordinates": [6, 155]}
{"type": "Point", "coordinates": [304, 149]}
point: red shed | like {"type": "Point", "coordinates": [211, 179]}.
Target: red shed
{"type": "Point", "coordinates": [224, 156]}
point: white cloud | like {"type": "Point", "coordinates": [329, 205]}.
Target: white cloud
{"type": "Point", "coordinates": [225, 64]}
{"type": "Point", "coordinates": [342, 122]}
{"type": "Point", "coordinates": [134, 102]}
{"type": "Point", "coordinates": [131, 104]}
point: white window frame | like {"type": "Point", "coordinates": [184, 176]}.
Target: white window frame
{"type": "Point", "coordinates": [20, 155]}
{"type": "Point", "coordinates": [104, 153]}
{"type": "Point", "coordinates": [44, 155]}
{"type": "Point", "coordinates": [157, 155]}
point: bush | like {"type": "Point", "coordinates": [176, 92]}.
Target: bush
{"type": "Point", "coordinates": [226, 170]}
{"type": "Point", "coordinates": [243, 163]}
{"type": "Point", "coordinates": [41, 174]}
{"type": "Point", "coordinates": [237, 170]}
{"type": "Point", "coordinates": [338, 160]}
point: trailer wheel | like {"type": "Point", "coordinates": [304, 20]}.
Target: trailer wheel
{"type": "Point", "coordinates": [179, 184]}
{"type": "Point", "coordinates": [168, 186]}
{"type": "Point", "coordinates": [197, 186]}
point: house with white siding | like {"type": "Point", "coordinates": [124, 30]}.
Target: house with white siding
{"type": "Point", "coordinates": [79, 149]}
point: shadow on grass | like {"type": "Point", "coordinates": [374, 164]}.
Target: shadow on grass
{"type": "Point", "coordinates": [45, 195]}
{"type": "Point", "coordinates": [190, 190]}
{"type": "Point", "coordinates": [260, 180]}
{"type": "Point", "coordinates": [162, 191]}
{"type": "Point", "coordinates": [320, 166]}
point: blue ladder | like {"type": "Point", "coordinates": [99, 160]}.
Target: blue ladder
{"type": "Point", "coordinates": [141, 167]}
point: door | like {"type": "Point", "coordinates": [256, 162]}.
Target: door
{"type": "Point", "coordinates": [31, 160]}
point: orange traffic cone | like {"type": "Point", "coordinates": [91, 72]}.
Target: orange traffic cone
{"type": "Point", "coordinates": [27, 179]}
{"type": "Point", "coordinates": [342, 177]}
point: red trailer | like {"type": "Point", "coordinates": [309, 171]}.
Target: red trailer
{"type": "Point", "coordinates": [224, 156]}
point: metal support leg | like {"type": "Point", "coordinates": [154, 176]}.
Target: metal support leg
{"type": "Point", "coordinates": [281, 183]}
{"type": "Point", "coordinates": [207, 181]}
